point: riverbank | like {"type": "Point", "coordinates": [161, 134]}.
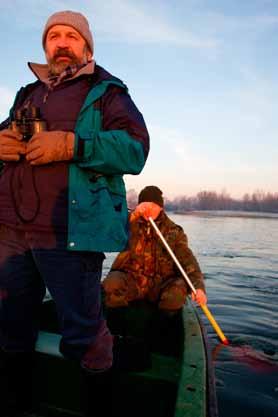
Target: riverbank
{"type": "Point", "coordinates": [228, 213]}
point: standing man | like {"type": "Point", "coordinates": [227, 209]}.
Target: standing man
{"type": "Point", "coordinates": [70, 138]}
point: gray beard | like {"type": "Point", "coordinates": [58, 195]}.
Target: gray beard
{"type": "Point", "coordinates": [56, 68]}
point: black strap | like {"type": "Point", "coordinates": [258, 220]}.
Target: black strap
{"type": "Point", "coordinates": [21, 95]}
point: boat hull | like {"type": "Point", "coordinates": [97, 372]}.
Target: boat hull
{"type": "Point", "coordinates": [167, 373]}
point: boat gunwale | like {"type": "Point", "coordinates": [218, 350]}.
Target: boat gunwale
{"type": "Point", "coordinates": [196, 393]}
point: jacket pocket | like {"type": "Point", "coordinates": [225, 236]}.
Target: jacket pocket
{"type": "Point", "coordinates": [99, 211]}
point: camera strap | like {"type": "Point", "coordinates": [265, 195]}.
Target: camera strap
{"type": "Point", "coordinates": [21, 95]}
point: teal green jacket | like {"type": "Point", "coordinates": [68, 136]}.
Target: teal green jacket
{"type": "Point", "coordinates": [97, 208]}
{"type": "Point", "coordinates": [97, 199]}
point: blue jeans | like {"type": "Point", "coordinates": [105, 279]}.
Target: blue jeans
{"type": "Point", "coordinates": [32, 261]}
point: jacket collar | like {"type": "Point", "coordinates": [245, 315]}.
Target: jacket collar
{"type": "Point", "coordinates": [41, 71]}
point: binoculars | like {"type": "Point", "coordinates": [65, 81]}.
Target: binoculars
{"type": "Point", "coordinates": [27, 122]}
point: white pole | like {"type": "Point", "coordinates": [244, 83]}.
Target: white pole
{"type": "Point", "coordinates": [172, 255]}
{"type": "Point", "coordinates": [203, 306]}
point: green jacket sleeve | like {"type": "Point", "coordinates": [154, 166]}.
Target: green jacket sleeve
{"type": "Point", "coordinates": [112, 137]}
{"type": "Point", "coordinates": [112, 153]}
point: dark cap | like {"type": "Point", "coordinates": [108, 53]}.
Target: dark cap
{"type": "Point", "coordinates": [151, 193]}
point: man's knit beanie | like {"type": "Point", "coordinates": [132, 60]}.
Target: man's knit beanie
{"type": "Point", "coordinates": [73, 19]}
{"type": "Point", "coordinates": [151, 193]}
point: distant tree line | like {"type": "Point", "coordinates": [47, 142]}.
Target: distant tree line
{"type": "Point", "coordinates": [258, 201]}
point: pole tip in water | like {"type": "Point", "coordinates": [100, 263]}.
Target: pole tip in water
{"type": "Point", "coordinates": [225, 342]}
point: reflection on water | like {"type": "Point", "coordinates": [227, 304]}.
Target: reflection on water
{"type": "Point", "coordinates": [239, 257]}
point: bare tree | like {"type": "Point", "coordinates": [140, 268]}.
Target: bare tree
{"type": "Point", "coordinates": [210, 200]}
{"type": "Point", "coordinates": [132, 199]}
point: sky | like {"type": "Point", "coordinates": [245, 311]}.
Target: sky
{"type": "Point", "coordinates": [202, 72]}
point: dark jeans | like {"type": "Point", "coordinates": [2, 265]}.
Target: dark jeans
{"type": "Point", "coordinates": [32, 261]}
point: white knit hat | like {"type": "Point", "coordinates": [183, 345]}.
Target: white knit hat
{"type": "Point", "coordinates": [73, 19]}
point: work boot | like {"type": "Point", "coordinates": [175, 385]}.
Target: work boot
{"type": "Point", "coordinates": [16, 371]}
{"type": "Point", "coordinates": [96, 395]}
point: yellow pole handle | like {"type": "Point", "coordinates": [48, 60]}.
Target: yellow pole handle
{"type": "Point", "coordinates": [203, 306]}
{"type": "Point", "coordinates": [214, 324]}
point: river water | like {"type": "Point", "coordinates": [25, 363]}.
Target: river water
{"type": "Point", "coordinates": [239, 257]}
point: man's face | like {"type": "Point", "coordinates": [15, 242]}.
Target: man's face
{"type": "Point", "coordinates": [65, 46]}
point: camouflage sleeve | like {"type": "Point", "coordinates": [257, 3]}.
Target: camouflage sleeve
{"type": "Point", "coordinates": [5, 124]}
{"type": "Point", "coordinates": [121, 262]}
{"type": "Point", "coordinates": [188, 261]}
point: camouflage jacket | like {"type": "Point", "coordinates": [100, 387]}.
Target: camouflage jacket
{"type": "Point", "coordinates": [147, 260]}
